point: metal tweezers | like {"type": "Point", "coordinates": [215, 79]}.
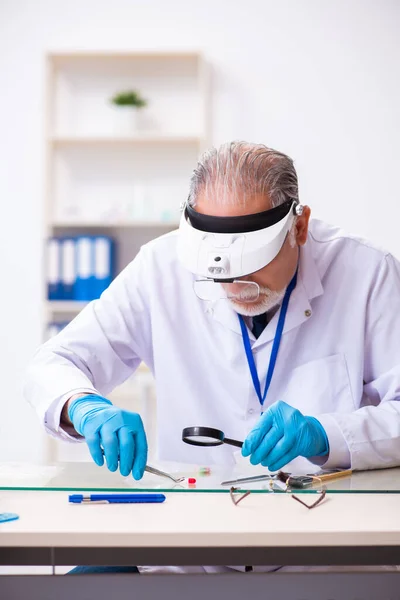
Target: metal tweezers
{"type": "Point", "coordinates": [154, 471]}
{"type": "Point", "coordinates": [294, 481]}
{"type": "Point", "coordinates": [250, 479]}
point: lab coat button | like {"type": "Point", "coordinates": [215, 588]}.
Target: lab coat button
{"type": "Point", "coordinates": [307, 313]}
{"type": "Point", "coordinates": [250, 411]}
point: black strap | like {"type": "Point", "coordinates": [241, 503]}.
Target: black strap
{"type": "Point", "coordinates": [242, 224]}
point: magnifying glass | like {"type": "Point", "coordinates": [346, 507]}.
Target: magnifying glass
{"type": "Point", "coordinates": [207, 436]}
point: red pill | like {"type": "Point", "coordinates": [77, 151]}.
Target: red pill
{"type": "Point", "coordinates": [191, 480]}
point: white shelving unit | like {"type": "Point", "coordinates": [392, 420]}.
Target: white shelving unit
{"type": "Point", "coordinates": [110, 140]}
{"type": "Point", "coordinates": [65, 306]}
{"type": "Point", "coordinates": [126, 184]}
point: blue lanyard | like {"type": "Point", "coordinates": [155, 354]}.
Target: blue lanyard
{"type": "Point", "coordinates": [275, 345]}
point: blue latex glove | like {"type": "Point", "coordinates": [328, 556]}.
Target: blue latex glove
{"type": "Point", "coordinates": [119, 432]}
{"type": "Point", "coordinates": [282, 434]}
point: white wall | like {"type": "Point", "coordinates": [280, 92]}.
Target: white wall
{"type": "Point", "coordinates": [316, 79]}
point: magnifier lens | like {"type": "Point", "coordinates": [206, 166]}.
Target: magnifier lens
{"type": "Point", "coordinates": [206, 289]}
{"type": "Point", "coordinates": [202, 439]}
{"type": "Point", "coordinates": [207, 436]}
{"type": "Point", "coordinates": [242, 291]}
{"type": "Point", "coordinates": [202, 436]}
{"type": "Point", "coordinates": [238, 290]}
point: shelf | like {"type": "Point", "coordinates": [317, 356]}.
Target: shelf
{"type": "Point", "coordinates": [65, 57]}
{"type": "Point", "coordinates": [65, 306]}
{"type": "Point", "coordinates": [117, 224]}
{"type": "Point", "coordinates": [121, 140]}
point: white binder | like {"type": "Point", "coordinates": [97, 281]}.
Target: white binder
{"type": "Point", "coordinates": [68, 268]}
{"type": "Point", "coordinates": [102, 263]}
{"type": "Point", "coordinates": [84, 269]}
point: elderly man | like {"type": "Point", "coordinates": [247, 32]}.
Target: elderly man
{"type": "Point", "coordinates": [254, 320]}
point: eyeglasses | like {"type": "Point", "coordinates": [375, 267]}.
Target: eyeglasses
{"type": "Point", "coordinates": [314, 504]}
{"type": "Point", "coordinates": [233, 492]}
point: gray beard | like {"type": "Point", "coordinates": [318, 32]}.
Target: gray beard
{"type": "Point", "coordinates": [267, 301]}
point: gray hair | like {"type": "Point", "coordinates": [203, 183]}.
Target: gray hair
{"type": "Point", "coordinates": [237, 171]}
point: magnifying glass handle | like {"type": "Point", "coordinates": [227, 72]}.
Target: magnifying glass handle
{"type": "Point", "coordinates": [233, 442]}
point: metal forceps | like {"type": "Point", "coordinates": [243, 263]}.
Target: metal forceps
{"type": "Point", "coordinates": [253, 479]}
{"type": "Point", "coordinates": [154, 471]}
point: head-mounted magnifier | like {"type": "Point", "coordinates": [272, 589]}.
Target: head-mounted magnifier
{"type": "Point", "coordinates": [224, 249]}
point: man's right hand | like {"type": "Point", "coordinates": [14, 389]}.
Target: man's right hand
{"type": "Point", "coordinates": [118, 432]}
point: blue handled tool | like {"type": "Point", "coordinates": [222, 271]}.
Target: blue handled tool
{"type": "Point", "coordinates": [115, 498]}
{"type": "Point", "coordinates": [4, 517]}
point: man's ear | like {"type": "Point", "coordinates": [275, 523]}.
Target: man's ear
{"type": "Point", "coordinates": [302, 226]}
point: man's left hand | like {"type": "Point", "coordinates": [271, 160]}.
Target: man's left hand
{"type": "Point", "coordinates": [282, 434]}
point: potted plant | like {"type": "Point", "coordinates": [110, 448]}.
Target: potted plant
{"type": "Point", "coordinates": [126, 107]}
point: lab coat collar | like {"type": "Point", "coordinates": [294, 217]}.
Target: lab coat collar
{"type": "Point", "coordinates": [308, 286]}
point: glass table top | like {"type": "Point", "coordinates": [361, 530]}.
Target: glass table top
{"type": "Point", "coordinates": [86, 476]}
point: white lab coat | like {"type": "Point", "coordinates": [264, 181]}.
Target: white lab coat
{"type": "Point", "coordinates": [339, 358]}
